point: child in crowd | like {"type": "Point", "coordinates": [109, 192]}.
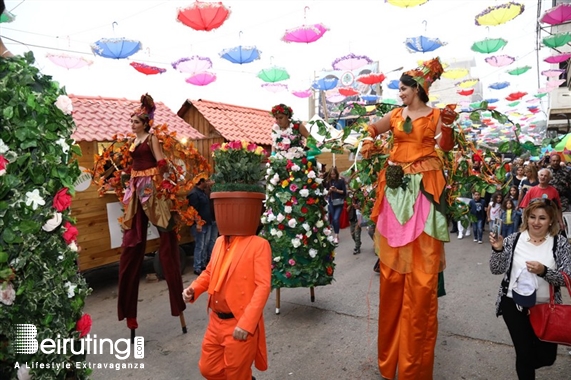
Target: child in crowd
{"type": "Point", "coordinates": [354, 214]}
{"type": "Point", "coordinates": [513, 194]}
{"type": "Point", "coordinates": [494, 210]}
{"type": "Point", "coordinates": [508, 217]}
{"type": "Point", "coordinates": [478, 209]}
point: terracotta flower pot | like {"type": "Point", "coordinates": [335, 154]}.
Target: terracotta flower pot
{"type": "Point", "coordinates": [237, 212]}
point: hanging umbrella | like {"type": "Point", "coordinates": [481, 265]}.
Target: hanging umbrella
{"type": "Point", "coordinates": [116, 48]}
{"type": "Point", "coordinates": [369, 98]}
{"type": "Point", "coordinates": [489, 45]}
{"type": "Point", "coordinates": [499, 85]}
{"type": "Point", "coordinates": [335, 97]}
{"type": "Point", "coordinates": [557, 40]}
{"type": "Point", "coordinates": [555, 83]}
{"type": "Point", "coordinates": [305, 33]}
{"type": "Point", "coordinates": [371, 79]}
{"type": "Point", "coordinates": [515, 96]}
{"type": "Point", "coordinates": [351, 62]}
{"type": "Point", "coordinates": [513, 104]}
{"type": "Point", "coordinates": [203, 16]}
{"type": "Point", "coordinates": [422, 44]}
{"type": "Point", "coordinates": [466, 92]}
{"type": "Point", "coordinates": [192, 65]}
{"type": "Point", "coordinates": [273, 74]}
{"type": "Point", "coordinates": [406, 3]}
{"type": "Point", "coordinates": [500, 60]}
{"type": "Point", "coordinates": [519, 70]}
{"type": "Point", "coordinates": [146, 69]}
{"type": "Point", "coordinates": [325, 84]}
{"type": "Point", "coordinates": [553, 73]}
{"type": "Point", "coordinates": [455, 73]}
{"type": "Point", "coordinates": [492, 100]}
{"type": "Point", "coordinates": [564, 146]}
{"type": "Point", "coordinates": [467, 83]}
{"type": "Point", "coordinates": [394, 84]}
{"type": "Point", "coordinates": [7, 17]}
{"type": "Point", "coordinates": [274, 87]}
{"type": "Point", "coordinates": [201, 79]}
{"type": "Point", "coordinates": [556, 15]}
{"type": "Point", "coordinates": [558, 58]}
{"type": "Point", "coordinates": [348, 91]}
{"type": "Point", "coordinates": [303, 93]}
{"type": "Point", "coordinates": [241, 54]}
{"type": "Point", "coordinates": [68, 61]}
{"type": "Point", "coordinates": [540, 95]}
{"type": "Point", "coordinates": [499, 14]}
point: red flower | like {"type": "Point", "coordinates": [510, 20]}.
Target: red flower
{"type": "Point", "coordinates": [288, 203]}
{"type": "Point", "coordinates": [296, 126]}
{"type": "Point", "coordinates": [304, 210]}
{"type": "Point", "coordinates": [281, 227]}
{"type": "Point", "coordinates": [3, 163]}
{"type": "Point", "coordinates": [167, 185]}
{"type": "Point", "coordinates": [301, 219]}
{"type": "Point", "coordinates": [83, 325]}
{"type": "Point", "coordinates": [304, 160]}
{"type": "Point", "coordinates": [310, 201]}
{"type": "Point", "coordinates": [62, 200]}
{"type": "Point", "coordinates": [214, 146]}
{"type": "Point", "coordinates": [235, 145]}
{"type": "Point", "coordinates": [252, 147]}
{"type": "Point", "coordinates": [70, 233]}
{"type": "Point", "coordinates": [329, 271]}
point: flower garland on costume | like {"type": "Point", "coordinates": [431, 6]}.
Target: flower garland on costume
{"type": "Point", "coordinates": [287, 142]}
{"type": "Point", "coordinates": [283, 109]}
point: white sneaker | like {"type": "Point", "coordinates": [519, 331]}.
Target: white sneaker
{"type": "Point", "coordinates": [467, 232]}
{"type": "Point", "coordinates": [475, 239]}
{"type": "Point", "coordinates": [479, 242]}
{"type": "Point", "coordinates": [460, 236]}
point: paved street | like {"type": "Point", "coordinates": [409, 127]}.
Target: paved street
{"type": "Point", "coordinates": [331, 338]}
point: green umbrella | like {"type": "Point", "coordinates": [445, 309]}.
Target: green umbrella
{"type": "Point", "coordinates": [273, 74]}
{"type": "Point", "coordinates": [513, 104]}
{"type": "Point", "coordinates": [557, 40]}
{"type": "Point", "coordinates": [519, 70]}
{"type": "Point", "coordinates": [489, 45]}
{"type": "Point", "coordinates": [7, 17]}
{"type": "Point", "coordinates": [540, 95]}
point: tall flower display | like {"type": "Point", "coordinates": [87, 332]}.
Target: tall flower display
{"type": "Point", "coordinates": [39, 279]}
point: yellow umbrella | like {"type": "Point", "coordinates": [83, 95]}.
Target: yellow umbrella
{"type": "Point", "coordinates": [499, 14]}
{"type": "Point", "coordinates": [467, 83]}
{"type": "Point", "coordinates": [433, 97]}
{"type": "Point", "coordinates": [406, 3]}
{"type": "Point", "coordinates": [455, 73]}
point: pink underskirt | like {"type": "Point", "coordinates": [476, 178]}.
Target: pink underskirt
{"type": "Point", "coordinates": [397, 234]}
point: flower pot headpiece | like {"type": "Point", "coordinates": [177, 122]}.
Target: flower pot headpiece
{"type": "Point", "coordinates": [427, 73]}
{"type": "Point", "coordinates": [283, 109]}
{"type": "Point", "coordinates": [146, 112]}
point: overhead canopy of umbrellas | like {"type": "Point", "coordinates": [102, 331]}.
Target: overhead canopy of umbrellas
{"type": "Point", "coordinates": [241, 54]}
{"type": "Point", "coordinates": [69, 61]}
{"type": "Point", "coordinates": [519, 70]}
{"type": "Point", "coordinates": [499, 14]}
{"type": "Point", "coordinates": [116, 48]}
{"type": "Point", "coordinates": [500, 60]}
{"type": "Point", "coordinates": [273, 74]}
{"type": "Point", "coordinates": [557, 15]}
{"type": "Point", "coordinates": [455, 73]}
{"type": "Point", "coordinates": [489, 45]}
{"type": "Point", "coordinates": [201, 79]}
{"type": "Point", "coordinates": [557, 40]}
{"type": "Point", "coordinates": [305, 33]}
{"type": "Point", "coordinates": [351, 62]}
{"type": "Point", "coordinates": [146, 69]}
{"type": "Point", "coordinates": [192, 65]}
{"type": "Point", "coordinates": [499, 85]}
{"type": "Point", "coordinates": [422, 44]}
{"type": "Point", "coordinates": [203, 15]}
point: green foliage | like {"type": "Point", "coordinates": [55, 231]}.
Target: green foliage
{"type": "Point", "coordinates": [238, 166]}
{"type": "Point", "coordinates": [38, 264]}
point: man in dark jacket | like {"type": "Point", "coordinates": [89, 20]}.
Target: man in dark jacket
{"type": "Point", "coordinates": [198, 199]}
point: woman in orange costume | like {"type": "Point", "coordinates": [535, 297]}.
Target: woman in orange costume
{"type": "Point", "coordinates": [410, 215]}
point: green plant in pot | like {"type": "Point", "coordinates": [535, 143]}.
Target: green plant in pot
{"type": "Point", "coordinates": [238, 190]}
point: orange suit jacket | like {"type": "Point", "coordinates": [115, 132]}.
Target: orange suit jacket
{"type": "Point", "coordinates": [248, 286]}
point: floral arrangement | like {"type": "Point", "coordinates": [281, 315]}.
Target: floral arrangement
{"type": "Point", "coordinates": [288, 141]}
{"type": "Point", "coordinates": [39, 279]}
{"type": "Point", "coordinates": [238, 166]}
{"type": "Point", "coordinates": [112, 167]}
{"type": "Point", "coordinates": [283, 109]}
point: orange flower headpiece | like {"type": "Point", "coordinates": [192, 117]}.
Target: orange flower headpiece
{"type": "Point", "coordinates": [147, 109]}
{"type": "Point", "coordinates": [426, 74]}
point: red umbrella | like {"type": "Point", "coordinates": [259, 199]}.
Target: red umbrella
{"type": "Point", "coordinates": [348, 91]}
{"type": "Point", "coordinates": [203, 15]}
{"type": "Point", "coordinates": [146, 69]}
{"type": "Point", "coordinates": [371, 78]}
{"type": "Point", "coordinates": [466, 92]}
{"type": "Point", "coordinates": [305, 33]}
{"type": "Point", "coordinates": [516, 96]}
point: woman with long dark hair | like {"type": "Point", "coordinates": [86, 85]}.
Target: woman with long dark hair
{"type": "Point", "coordinates": [336, 193]}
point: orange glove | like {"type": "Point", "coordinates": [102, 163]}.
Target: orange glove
{"type": "Point", "coordinates": [448, 115]}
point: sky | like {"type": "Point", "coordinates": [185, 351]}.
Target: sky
{"type": "Point", "coordinates": [373, 28]}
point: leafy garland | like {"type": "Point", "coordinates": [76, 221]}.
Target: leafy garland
{"type": "Point", "coordinates": [39, 279]}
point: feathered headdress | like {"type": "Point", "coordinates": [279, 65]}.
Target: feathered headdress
{"type": "Point", "coordinates": [147, 109]}
{"type": "Point", "coordinates": [283, 109]}
{"type": "Point", "coordinates": [427, 73]}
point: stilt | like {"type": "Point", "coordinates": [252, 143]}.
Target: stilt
{"type": "Point", "coordinates": [182, 322]}
{"type": "Point", "coordinates": [312, 294]}
{"type": "Point", "coordinates": [277, 300]}
{"type": "Point", "coordinates": [132, 336]}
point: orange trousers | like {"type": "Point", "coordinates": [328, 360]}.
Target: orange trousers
{"type": "Point", "coordinates": [223, 357]}
{"type": "Point", "coordinates": [408, 324]}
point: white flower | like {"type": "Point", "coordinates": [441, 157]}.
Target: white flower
{"type": "Point", "coordinates": [73, 246]}
{"type": "Point", "coordinates": [295, 242]}
{"type": "Point", "coordinates": [64, 103]}
{"type": "Point", "coordinates": [319, 224]}
{"type": "Point", "coordinates": [330, 238]}
{"type": "Point", "coordinates": [304, 193]}
{"type": "Point", "coordinates": [33, 198]}
{"type": "Point", "coordinates": [295, 168]}
{"type": "Point", "coordinates": [7, 293]}
{"type": "Point", "coordinates": [327, 232]}
{"type": "Point", "coordinates": [273, 232]}
{"type": "Point", "coordinates": [53, 222]}
{"type": "Point", "coordinates": [3, 147]}
{"type": "Point", "coordinates": [269, 170]}
{"type": "Point", "coordinates": [306, 226]}
{"type": "Point", "coordinates": [60, 257]}
{"type": "Point", "coordinates": [264, 220]}
{"type": "Point", "coordinates": [275, 180]}
{"type": "Point", "coordinates": [70, 289]}
{"type": "Point", "coordinates": [313, 252]}
{"type": "Point", "coordinates": [64, 146]}
{"type": "Point", "coordinates": [277, 259]}
{"type": "Point", "coordinates": [280, 217]}
{"type": "Point", "coordinates": [292, 223]}
{"type": "Point", "coordinates": [311, 175]}
{"type": "Point", "coordinates": [287, 209]}
{"type": "Point", "coordinates": [271, 218]}
{"type": "Point", "coordinates": [318, 180]}
{"type": "Point", "coordinates": [270, 187]}
{"type": "Point", "coordinates": [279, 234]}
{"type": "Point", "coordinates": [308, 233]}
{"type": "Point", "coordinates": [24, 373]}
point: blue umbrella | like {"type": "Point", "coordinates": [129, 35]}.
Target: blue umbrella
{"type": "Point", "coordinates": [116, 48]}
{"type": "Point", "coordinates": [499, 85]}
{"type": "Point", "coordinates": [422, 44]}
{"type": "Point", "coordinates": [369, 98]}
{"type": "Point", "coordinates": [241, 54]}
{"type": "Point", "coordinates": [325, 84]}
{"type": "Point", "coordinates": [492, 100]}
{"type": "Point", "coordinates": [394, 84]}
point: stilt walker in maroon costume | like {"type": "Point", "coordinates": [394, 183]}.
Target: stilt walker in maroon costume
{"type": "Point", "coordinates": [141, 205]}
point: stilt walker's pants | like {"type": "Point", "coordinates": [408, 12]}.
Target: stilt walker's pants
{"type": "Point", "coordinates": [134, 244]}
{"type": "Point", "coordinates": [408, 324]}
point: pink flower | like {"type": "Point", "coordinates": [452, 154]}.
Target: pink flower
{"type": "Point", "coordinates": [293, 187]}
{"type": "Point", "coordinates": [214, 146]}
{"type": "Point", "coordinates": [84, 325]}
{"type": "Point", "coordinates": [288, 275]}
{"type": "Point", "coordinates": [235, 145]}
{"type": "Point", "coordinates": [7, 293]}
{"type": "Point", "coordinates": [3, 163]}
{"type": "Point", "coordinates": [252, 147]}
{"type": "Point", "coordinates": [291, 262]}
{"type": "Point", "coordinates": [62, 200]}
{"type": "Point", "coordinates": [70, 233]}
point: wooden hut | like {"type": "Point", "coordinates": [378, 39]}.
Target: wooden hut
{"type": "Point", "coordinates": [98, 119]}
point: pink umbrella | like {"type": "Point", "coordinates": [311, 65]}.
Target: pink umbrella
{"type": "Point", "coordinates": [351, 62]}
{"type": "Point", "coordinates": [555, 83]}
{"type": "Point", "coordinates": [557, 15]}
{"type": "Point", "coordinates": [201, 79]}
{"type": "Point", "coordinates": [274, 87]}
{"type": "Point", "coordinates": [302, 94]}
{"type": "Point", "coordinates": [305, 33]}
{"type": "Point", "coordinates": [553, 73]}
{"type": "Point", "coordinates": [192, 65]}
{"type": "Point", "coordinates": [500, 60]}
{"type": "Point", "coordinates": [558, 58]}
{"type": "Point", "coordinates": [68, 61]}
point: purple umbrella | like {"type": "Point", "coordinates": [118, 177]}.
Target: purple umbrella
{"type": "Point", "coordinates": [351, 62]}
{"type": "Point", "coordinates": [192, 65]}
{"type": "Point", "coordinates": [500, 60]}
{"type": "Point", "coordinates": [553, 73]}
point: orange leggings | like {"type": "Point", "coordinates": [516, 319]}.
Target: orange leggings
{"type": "Point", "coordinates": [223, 357]}
{"type": "Point", "coordinates": [408, 324]}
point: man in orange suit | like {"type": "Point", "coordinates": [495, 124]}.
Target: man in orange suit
{"type": "Point", "coordinates": [238, 282]}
